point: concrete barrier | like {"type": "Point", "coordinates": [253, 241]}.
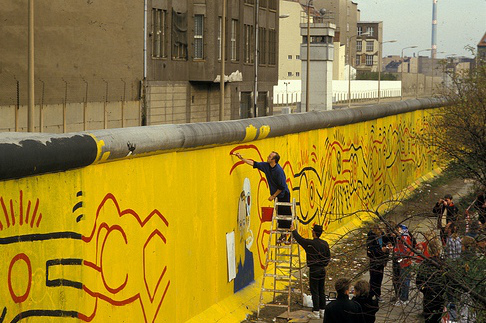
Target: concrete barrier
{"type": "Point", "coordinates": [131, 224]}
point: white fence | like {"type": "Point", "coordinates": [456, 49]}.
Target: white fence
{"type": "Point", "coordinates": [289, 92]}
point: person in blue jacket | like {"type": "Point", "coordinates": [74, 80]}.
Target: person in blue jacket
{"type": "Point", "coordinates": [277, 182]}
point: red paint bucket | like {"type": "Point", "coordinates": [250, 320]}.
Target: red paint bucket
{"type": "Point", "coordinates": [267, 213]}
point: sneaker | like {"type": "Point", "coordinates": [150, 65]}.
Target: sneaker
{"type": "Point", "coordinates": [321, 314]}
{"type": "Point", "coordinates": [398, 303]}
{"type": "Point", "coordinates": [313, 315]}
{"type": "Point", "coordinates": [405, 302]}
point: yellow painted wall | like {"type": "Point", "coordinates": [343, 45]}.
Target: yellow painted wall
{"type": "Point", "coordinates": [148, 243]}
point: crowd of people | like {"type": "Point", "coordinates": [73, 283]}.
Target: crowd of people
{"type": "Point", "coordinates": [453, 246]}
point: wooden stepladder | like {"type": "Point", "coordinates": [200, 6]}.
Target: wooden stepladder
{"type": "Point", "coordinates": [283, 265]}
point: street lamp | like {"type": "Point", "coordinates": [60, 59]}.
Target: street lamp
{"type": "Point", "coordinates": [309, 3]}
{"type": "Point", "coordinates": [401, 72]}
{"type": "Point", "coordinates": [418, 58]}
{"type": "Point", "coordinates": [286, 93]}
{"type": "Point", "coordinates": [349, 64]}
{"type": "Point", "coordinates": [379, 64]}
{"type": "Point", "coordinates": [433, 73]}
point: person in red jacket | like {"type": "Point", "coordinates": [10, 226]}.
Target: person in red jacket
{"type": "Point", "coordinates": [404, 254]}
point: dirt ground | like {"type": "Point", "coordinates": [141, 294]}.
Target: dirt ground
{"type": "Point", "coordinates": [349, 254]}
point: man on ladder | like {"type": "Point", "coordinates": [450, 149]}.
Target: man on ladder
{"type": "Point", "coordinates": [277, 182]}
{"type": "Point", "coordinates": [318, 257]}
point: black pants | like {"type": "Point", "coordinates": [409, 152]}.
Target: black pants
{"type": "Point", "coordinates": [317, 284]}
{"type": "Point", "coordinates": [284, 210]}
{"type": "Point", "coordinates": [396, 277]}
{"type": "Point", "coordinates": [376, 278]}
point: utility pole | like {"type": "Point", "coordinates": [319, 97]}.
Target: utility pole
{"type": "Point", "coordinates": [223, 59]}
{"type": "Point", "coordinates": [255, 93]}
{"type": "Point", "coordinates": [30, 111]}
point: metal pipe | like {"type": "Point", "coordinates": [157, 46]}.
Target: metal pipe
{"type": "Point", "coordinates": [30, 111]}
{"type": "Point", "coordinates": [434, 28]}
{"type": "Point", "coordinates": [223, 59]}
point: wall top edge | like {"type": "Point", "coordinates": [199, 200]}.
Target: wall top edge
{"type": "Point", "coordinates": [25, 154]}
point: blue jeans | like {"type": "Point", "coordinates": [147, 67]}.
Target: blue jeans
{"type": "Point", "coordinates": [404, 283]}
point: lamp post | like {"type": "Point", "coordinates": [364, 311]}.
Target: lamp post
{"type": "Point", "coordinates": [30, 72]}
{"type": "Point", "coordinates": [349, 65]}
{"type": "Point", "coordinates": [401, 70]}
{"type": "Point", "coordinates": [433, 73]}
{"type": "Point", "coordinates": [417, 82]}
{"type": "Point", "coordinates": [309, 3]}
{"type": "Point", "coordinates": [286, 93]}
{"type": "Point", "coordinates": [223, 61]}
{"type": "Point", "coordinates": [379, 64]}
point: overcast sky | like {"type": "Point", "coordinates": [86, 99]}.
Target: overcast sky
{"type": "Point", "coordinates": [460, 23]}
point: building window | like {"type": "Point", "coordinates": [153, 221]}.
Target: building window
{"type": "Point", "coordinates": [250, 2]}
{"type": "Point", "coordinates": [272, 5]}
{"type": "Point", "coordinates": [369, 46]}
{"type": "Point", "coordinates": [359, 46]}
{"type": "Point", "coordinates": [370, 30]}
{"type": "Point", "coordinates": [198, 36]}
{"type": "Point", "coordinates": [289, 74]}
{"type": "Point", "coordinates": [347, 27]}
{"type": "Point", "coordinates": [248, 41]}
{"type": "Point", "coordinates": [262, 45]}
{"type": "Point", "coordinates": [263, 4]}
{"type": "Point", "coordinates": [297, 73]}
{"type": "Point", "coordinates": [297, 56]}
{"type": "Point", "coordinates": [360, 30]}
{"type": "Point", "coordinates": [289, 57]}
{"type": "Point", "coordinates": [159, 33]}
{"type": "Point", "coordinates": [179, 35]}
{"type": "Point", "coordinates": [369, 60]}
{"type": "Point", "coordinates": [357, 60]}
{"type": "Point", "coordinates": [234, 39]}
{"type": "Point", "coordinates": [272, 47]}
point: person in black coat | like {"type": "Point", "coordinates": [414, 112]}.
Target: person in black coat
{"type": "Point", "coordinates": [343, 310]}
{"type": "Point", "coordinates": [431, 282]}
{"type": "Point", "coordinates": [368, 304]}
{"type": "Point", "coordinates": [377, 251]}
{"type": "Point", "coordinates": [318, 257]}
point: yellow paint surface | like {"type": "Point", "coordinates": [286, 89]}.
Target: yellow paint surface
{"type": "Point", "coordinates": [148, 243]}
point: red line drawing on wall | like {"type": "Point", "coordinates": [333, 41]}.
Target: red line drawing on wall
{"type": "Point", "coordinates": [10, 217]}
{"type": "Point", "coordinates": [20, 298]}
{"type": "Point", "coordinates": [111, 225]}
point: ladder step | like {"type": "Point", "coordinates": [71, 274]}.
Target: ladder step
{"type": "Point", "coordinates": [284, 203]}
{"type": "Point", "coordinates": [286, 255]}
{"type": "Point", "coordinates": [280, 246]}
{"type": "Point", "coordinates": [277, 261]}
{"type": "Point", "coordinates": [274, 305]}
{"type": "Point", "coordinates": [282, 291]}
{"type": "Point", "coordinates": [281, 277]}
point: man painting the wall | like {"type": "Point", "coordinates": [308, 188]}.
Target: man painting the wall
{"type": "Point", "coordinates": [277, 182]}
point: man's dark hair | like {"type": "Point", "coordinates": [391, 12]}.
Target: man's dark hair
{"type": "Point", "coordinates": [448, 196]}
{"type": "Point", "coordinates": [276, 157]}
{"type": "Point", "coordinates": [342, 285]}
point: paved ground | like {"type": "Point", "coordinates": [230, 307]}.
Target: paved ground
{"type": "Point", "coordinates": [349, 256]}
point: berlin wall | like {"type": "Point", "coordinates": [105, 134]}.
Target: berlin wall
{"type": "Point", "coordinates": [131, 225]}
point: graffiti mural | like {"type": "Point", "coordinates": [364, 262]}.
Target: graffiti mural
{"type": "Point", "coordinates": [142, 238]}
{"type": "Point", "coordinates": [105, 275]}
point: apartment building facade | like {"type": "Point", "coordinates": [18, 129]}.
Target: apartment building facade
{"type": "Point", "coordinates": [184, 59]}
{"type": "Point", "coordinates": [369, 46]}
{"type": "Point", "coordinates": [160, 58]}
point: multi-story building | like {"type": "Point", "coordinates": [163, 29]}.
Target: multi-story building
{"type": "Point", "coordinates": [369, 47]}
{"type": "Point", "coordinates": [185, 58]}
{"type": "Point", "coordinates": [345, 15]}
{"type": "Point", "coordinates": [164, 56]}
